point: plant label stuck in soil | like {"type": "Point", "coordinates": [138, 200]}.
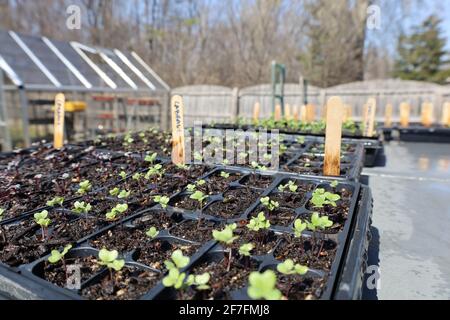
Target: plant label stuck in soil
{"type": "Point", "coordinates": [58, 130]}
{"type": "Point", "coordinates": [177, 109]}
{"type": "Point", "coordinates": [256, 108]}
{"type": "Point", "coordinates": [427, 114]}
{"type": "Point", "coordinates": [369, 119]}
{"type": "Point", "coordinates": [404, 114]}
{"type": "Point", "coordinates": [388, 116]}
{"type": "Point", "coordinates": [335, 114]}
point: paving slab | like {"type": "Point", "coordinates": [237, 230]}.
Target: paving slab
{"type": "Point", "coordinates": [411, 222]}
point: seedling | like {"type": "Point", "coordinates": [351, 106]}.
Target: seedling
{"type": "Point", "coordinates": [199, 281]}
{"type": "Point", "coordinates": [300, 140]}
{"type": "Point", "coordinates": [198, 156]}
{"type": "Point", "coordinates": [114, 192]}
{"type": "Point", "coordinates": [334, 183]}
{"type": "Point", "coordinates": [290, 185]}
{"type": "Point", "coordinates": [155, 170]}
{"type": "Point", "coordinates": [258, 222]}
{"type": "Point", "coordinates": [269, 204]}
{"type": "Point", "coordinates": [41, 218]}
{"type": "Point", "coordinates": [199, 196]}
{"type": "Point", "coordinates": [152, 232]}
{"type": "Point", "coordinates": [150, 158]}
{"type": "Point", "coordinates": [116, 211]}
{"type": "Point", "coordinates": [55, 201]}
{"type": "Point", "coordinates": [137, 176]}
{"type": "Point", "coordinates": [320, 197]}
{"type": "Point", "coordinates": [245, 249]}
{"type": "Point", "coordinates": [299, 227]}
{"type": "Point", "coordinates": [200, 182]}
{"type": "Point", "coordinates": [123, 174]}
{"type": "Point", "coordinates": [174, 278]}
{"type": "Point", "coordinates": [84, 187]}
{"type": "Point", "coordinates": [226, 237]}
{"type": "Point", "coordinates": [191, 187]}
{"type": "Point", "coordinates": [263, 286]}
{"type": "Point", "coordinates": [81, 207]}
{"type": "Point", "coordinates": [109, 259]}
{"type": "Point", "coordinates": [288, 267]}
{"type": "Point", "coordinates": [318, 222]}
{"type": "Point", "coordinates": [124, 194]}
{"type": "Point", "coordinates": [182, 166]}
{"type": "Point", "coordinates": [162, 200]}
{"type": "Point", "coordinates": [56, 256]}
{"type": "Point", "coordinates": [177, 260]}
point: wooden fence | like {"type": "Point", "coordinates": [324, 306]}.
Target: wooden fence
{"type": "Point", "coordinates": [217, 103]}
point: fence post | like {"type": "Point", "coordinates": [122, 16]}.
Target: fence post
{"type": "Point", "coordinates": [234, 104]}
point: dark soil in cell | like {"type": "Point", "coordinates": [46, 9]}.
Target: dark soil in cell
{"type": "Point", "coordinates": [222, 281]}
{"type": "Point", "coordinates": [193, 231]}
{"type": "Point", "coordinates": [192, 172]}
{"type": "Point", "coordinates": [263, 240]}
{"type": "Point", "coordinates": [128, 284]}
{"type": "Point", "coordinates": [257, 181]}
{"type": "Point", "coordinates": [218, 184]}
{"type": "Point", "coordinates": [75, 230]}
{"type": "Point", "coordinates": [281, 217]}
{"type": "Point", "coordinates": [296, 287]}
{"type": "Point", "coordinates": [313, 253]}
{"type": "Point", "coordinates": [291, 200]}
{"type": "Point", "coordinates": [185, 202]}
{"type": "Point", "coordinates": [154, 254]}
{"type": "Point", "coordinates": [157, 219]}
{"type": "Point", "coordinates": [122, 239]}
{"type": "Point", "coordinates": [234, 203]}
{"type": "Point", "coordinates": [56, 273]}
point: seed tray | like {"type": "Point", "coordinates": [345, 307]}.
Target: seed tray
{"type": "Point", "coordinates": [306, 157]}
{"type": "Point", "coordinates": [27, 274]}
{"type": "Point", "coordinates": [417, 133]}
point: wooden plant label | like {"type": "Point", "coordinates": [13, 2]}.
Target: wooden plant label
{"type": "Point", "coordinates": [177, 111]}
{"type": "Point", "coordinates": [445, 121]}
{"type": "Point", "coordinates": [277, 115]}
{"type": "Point", "coordinates": [388, 116]}
{"type": "Point", "coordinates": [287, 112]}
{"type": "Point", "coordinates": [369, 120]}
{"type": "Point", "coordinates": [310, 113]}
{"type": "Point", "coordinates": [58, 127]}
{"type": "Point", "coordinates": [347, 112]}
{"type": "Point", "coordinates": [296, 115]}
{"type": "Point", "coordinates": [303, 113]}
{"type": "Point", "coordinates": [427, 114]}
{"type": "Point", "coordinates": [404, 114]}
{"type": "Point", "coordinates": [333, 134]}
{"type": "Point", "coordinates": [256, 109]}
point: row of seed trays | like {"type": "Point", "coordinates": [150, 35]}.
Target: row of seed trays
{"type": "Point", "coordinates": [115, 219]}
{"type": "Point", "coordinates": [351, 132]}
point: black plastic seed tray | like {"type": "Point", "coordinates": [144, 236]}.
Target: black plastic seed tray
{"type": "Point", "coordinates": [306, 156]}
{"type": "Point", "coordinates": [24, 278]}
{"type": "Point", "coordinates": [424, 134]}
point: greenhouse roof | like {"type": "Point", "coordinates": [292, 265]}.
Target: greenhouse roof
{"type": "Point", "coordinates": [40, 63]}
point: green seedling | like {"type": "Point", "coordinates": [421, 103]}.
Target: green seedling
{"type": "Point", "coordinates": [137, 176]}
{"type": "Point", "coordinates": [174, 278]}
{"type": "Point", "coordinates": [109, 259]}
{"type": "Point", "coordinates": [198, 156]}
{"type": "Point", "coordinates": [114, 192]}
{"type": "Point", "coordinates": [225, 162]}
{"type": "Point", "coordinates": [41, 218]}
{"type": "Point", "coordinates": [199, 196]}
{"type": "Point", "coordinates": [191, 187]}
{"type": "Point", "coordinates": [177, 260]}
{"type": "Point", "coordinates": [124, 194]}
{"type": "Point", "coordinates": [320, 197]}
{"type": "Point", "coordinates": [84, 187]}
{"type": "Point", "coordinates": [263, 286]}
{"type": "Point", "coordinates": [182, 166]}
{"type": "Point", "coordinates": [245, 249]}
{"type": "Point", "coordinates": [199, 281]}
{"type": "Point", "coordinates": [162, 200]}
{"type": "Point", "coordinates": [116, 211]}
{"type": "Point", "coordinates": [150, 158]}
{"type": "Point", "coordinates": [300, 140]}
{"type": "Point", "coordinates": [226, 237]}
{"type": "Point", "coordinates": [55, 201]}
{"type": "Point", "coordinates": [259, 222]}
{"type": "Point", "coordinates": [123, 174]}
{"type": "Point", "coordinates": [299, 227]}
{"type": "Point", "coordinates": [152, 232]}
{"type": "Point", "coordinates": [224, 174]}
{"type": "Point", "coordinates": [269, 204]}
{"type": "Point", "coordinates": [155, 170]}
{"type": "Point", "coordinates": [290, 185]}
{"type": "Point", "coordinates": [81, 207]}
{"type": "Point", "coordinates": [56, 256]}
{"type": "Point", "coordinates": [318, 222]}
{"type": "Point", "coordinates": [334, 183]}
{"type": "Point", "coordinates": [200, 182]}
{"type": "Point", "coordinates": [288, 267]}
